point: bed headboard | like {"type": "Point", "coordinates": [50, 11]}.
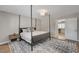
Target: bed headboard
{"type": "Point", "coordinates": [26, 28]}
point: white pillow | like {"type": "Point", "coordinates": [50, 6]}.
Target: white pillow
{"type": "Point", "coordinates": [24, 30]}
{"type": "Point", "coordinates": [28, 30]}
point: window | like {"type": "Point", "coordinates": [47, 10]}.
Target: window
{"type": "Point", "coordinates": [61, 25]}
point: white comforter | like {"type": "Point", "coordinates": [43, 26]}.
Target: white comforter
{"type": "Point", "coordinates": [27, 35]}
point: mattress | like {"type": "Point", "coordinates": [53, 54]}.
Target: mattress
{"type": "Point", "coordinates": [27, 35]}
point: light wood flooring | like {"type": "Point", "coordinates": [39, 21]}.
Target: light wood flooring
{"type": "Point", "coordinates": [4, 48]}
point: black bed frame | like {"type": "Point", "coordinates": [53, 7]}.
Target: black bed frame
{"type": "Point", "coordinates": [20, 30]}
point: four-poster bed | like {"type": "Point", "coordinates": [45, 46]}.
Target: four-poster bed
{"type": "Point", "coordinates": [33, 36]}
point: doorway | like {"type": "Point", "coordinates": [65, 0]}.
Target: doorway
{"type": "Point", "coordinates": [61, 29]}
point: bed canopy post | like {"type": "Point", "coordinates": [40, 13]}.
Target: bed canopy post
{"type": "Point", "coordinates": [31, 31]}
{"type": "Point", "coordinates": [19, 26]}
{"type": "Point", "coordinates": [49, 28]}
{"type": "Point", "coordinates": [35, 23]}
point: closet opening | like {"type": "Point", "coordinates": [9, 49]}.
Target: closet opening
{"type": "Point", "coordinates": [61, 29]}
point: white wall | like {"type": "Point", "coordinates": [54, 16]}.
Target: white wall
{"type": "Point", "coordinates": [8, 25]}
{"type": "Point", "coordinates": [44, 23]}
{"type": "Point", "coordinates": [71, 28]}
{"type": "Point", "coordinates": [56, 28]}
{"type": "Point", "coordinates": [25, 22]}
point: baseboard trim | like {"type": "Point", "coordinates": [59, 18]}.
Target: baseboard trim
{"type": "Point", "coordinates": [4, 42]}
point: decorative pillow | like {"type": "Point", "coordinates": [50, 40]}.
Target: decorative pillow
{"type": "Point", "coordinates": [28, 30]}
{"type": "Point", "coordinates": [24, 30]}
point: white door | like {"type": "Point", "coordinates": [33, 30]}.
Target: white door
{"type": "Point", "coordinates": [71, 29]}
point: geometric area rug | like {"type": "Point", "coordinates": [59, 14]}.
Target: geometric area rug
{"type": "Point", "coordinates": [48, 46]}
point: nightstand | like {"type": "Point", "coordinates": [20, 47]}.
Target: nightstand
{"type": "Point", "coordinates": [13, 37]}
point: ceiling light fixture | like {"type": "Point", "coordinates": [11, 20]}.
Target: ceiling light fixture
{"type": "Point", "coordinates": [43, 12]}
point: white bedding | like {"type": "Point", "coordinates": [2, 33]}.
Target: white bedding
{"type": "Point", "coordinates": [27, 35]}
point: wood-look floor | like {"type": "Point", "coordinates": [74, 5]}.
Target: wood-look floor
{"type": "Point", "coordinates": [4, 48]}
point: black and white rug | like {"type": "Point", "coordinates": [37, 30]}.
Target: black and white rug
{"type": "Point", "coordinates": [48, 46]}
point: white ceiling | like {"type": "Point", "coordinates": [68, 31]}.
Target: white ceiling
{"type": "Point", "coordinates": [55, 10]}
